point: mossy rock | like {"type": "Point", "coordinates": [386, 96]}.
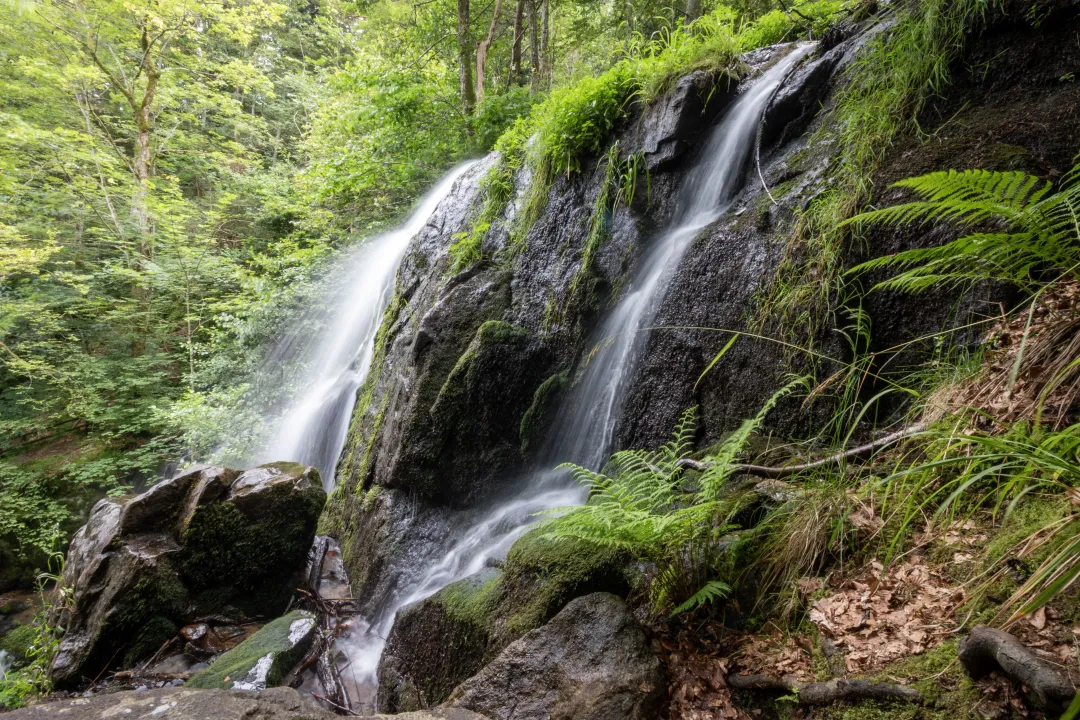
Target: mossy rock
{"type": "Point", "coordinates": [439, 642]}
{"type": "Point", "coordinates": [542, 575]}
{"type": "Point", "coordinates": [211, 541]}
{"type": "Point", "coordinates": [436, 643]}
{"type": "Point", "coordinates": [263, 659]}
{"type": "Point", "coordinates": [541, 413]}
{"type": "Point", "coordinates": [17, 642]}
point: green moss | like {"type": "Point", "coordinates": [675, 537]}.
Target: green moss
{"type": "Point", "coordinates": [469, 365]}
{"type": "Point", "coordinates": [361, 436]}
{"type": "Point", "coordinates": [18, 641]}
{"type": "Point", "coordinates": [223, 547]}
{"type": "Point", "coordinates": [541, 413]}
{"type": "Point", "coordinates": [542, 575]}
{"type": "Point", "coordinates": [236, 663]}
{"type": "Point", "coordinates": [148, 615]}
{"type": "Point", "coordinates": [470, 601]}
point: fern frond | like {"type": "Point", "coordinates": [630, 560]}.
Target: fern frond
{"type": "Point", "coordinates": [709, 593]}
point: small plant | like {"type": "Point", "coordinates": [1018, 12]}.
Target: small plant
{"type": "Point", "coordinates": [646, 505]}
{"type": "Point", "coordinates": [33, 678]}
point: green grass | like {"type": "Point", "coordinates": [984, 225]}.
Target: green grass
{"type": "Point", "coordinates": [883, 94]}
{"type": "Point", "coordinates": [576, 121]}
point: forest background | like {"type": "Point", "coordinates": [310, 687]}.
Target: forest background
{"type": "Point", "coordinates": [176, 176]}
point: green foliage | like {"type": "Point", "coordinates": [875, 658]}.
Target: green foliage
{"type": "Point", "coordinates": [885, 89]}
{"type": "Point", "coordinates": [38, 642]}
{"type": "Point", "coordinates": [964, 472]}
{"type": "Point", "coordinates": [1039, 231]}
{"type": "Point", "coordinates": [498, 113]}
{"type": "Point", "coordinates": [646, 506]}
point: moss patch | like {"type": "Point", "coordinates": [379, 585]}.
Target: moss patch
{"type": "Point", "coordinates": [237, 663]}
{"type": "Point", "coordinates": [17, 642]}
{"type": "Point", "coordinates": [542, 575]}
{"type": "Point", "coordinates": [541, 413]}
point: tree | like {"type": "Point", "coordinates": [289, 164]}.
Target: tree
{"type": "Point", "coordinates": [468, 94]}
{"type": "Point", "coordinates": [482, 52]}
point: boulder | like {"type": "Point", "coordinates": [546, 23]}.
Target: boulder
{"type": "Point", "coordinates": [440, 641]}
{"type": "Point", "coordinates": [188, 704]}
{"type": "Point", "coordinates": [209, 542]}
{"type": "Point", "coordinates": [263, 659]}
{"type": "Point", "coordinates": [591, 662]}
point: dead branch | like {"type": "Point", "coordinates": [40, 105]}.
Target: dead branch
{"type": "Point", "coordinates": [789, 470]}
{"type": "Point", "coordinates": [823, 693]}
{"type": "Point", "coordinates": [986, 649]}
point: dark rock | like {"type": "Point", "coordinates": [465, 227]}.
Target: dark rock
{"type": "Point", "coordinates": [591, 662]}
{"type": "Point", "coordinates": [209, 541]}
{"type": "Point", "coordinates": [671, 125]}
{"type": "Point", "coordinates": [325, 572]}
{"type": "Point", "coordinates": [439, 642]}
{"type": "Point", "coordinates": [435, 644]}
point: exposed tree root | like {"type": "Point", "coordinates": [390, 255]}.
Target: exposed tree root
{"type": "Point", "coordinates": [823, 693]}
{"type": "Point", "coordinates": [985, 650]}
{"type": "Point", "coordinates": [789, 470]}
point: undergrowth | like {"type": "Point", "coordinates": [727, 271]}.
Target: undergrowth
{"type": "Point", "coordinates": [886, 89]}
{"type": "Point", "coordinates": [576, 121]}
{"type": "Point", "coordinates": [646, 505]}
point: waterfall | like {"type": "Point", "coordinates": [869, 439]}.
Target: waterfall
{"type": "Point", "coordinates": [585, 428]}
{"type": "Point", "coordinates": [336, 361]}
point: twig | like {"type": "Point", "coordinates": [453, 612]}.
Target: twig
{"type": "Point", "coordinates": [783, 472]}
{"type": "Point", "coordinates": [345, 710]}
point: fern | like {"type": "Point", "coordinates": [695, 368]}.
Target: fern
{"type": "Point", "coordinates": [644, 505]}
{"type": "Point", "coordinates": [710, 592]}
{"type": "Point", "coordinates": [1034, 229]}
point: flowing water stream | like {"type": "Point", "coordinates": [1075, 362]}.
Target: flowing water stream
{"type": "Point", "coordinates": [584, 431]}
{"type": "Point", "coordinates": [336, 361]}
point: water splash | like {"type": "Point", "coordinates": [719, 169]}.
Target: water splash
{"type": "Point", "coordinates": [336, 362]}
{"type": "Point", "coordinates": [585, 428]}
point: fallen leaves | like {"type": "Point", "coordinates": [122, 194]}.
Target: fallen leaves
{"type": "Point", "coordinates": [879, 616]}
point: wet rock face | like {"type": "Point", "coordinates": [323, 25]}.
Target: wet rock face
{"type": "Point", "coordinates": [210, 541]}
{"type": "Point", "coordinates": [591, 662]}
{"type": "Point", "coordinates": [435, 644]}
{"type": "Point", "coordinates": [670, 127]}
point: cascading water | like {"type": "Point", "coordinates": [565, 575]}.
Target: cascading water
{"type": "Point", "coordinates": [313, 427]}
{"type": "Point", "coordinates": [583, 434]}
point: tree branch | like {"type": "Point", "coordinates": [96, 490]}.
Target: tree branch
{"type": "Point", "coordinates": [824, 693]}
{"type": "Point", "coordinates": [789, 470]}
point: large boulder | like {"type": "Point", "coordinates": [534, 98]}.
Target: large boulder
{"type": "Point", "coordinates": [209, 542]}
{"type": "Point", "coordinates": [188, 704]}
{"type": "Point", "coordinates": [440, 641]}
{"type": "Point", "coordinates": [591, 662]}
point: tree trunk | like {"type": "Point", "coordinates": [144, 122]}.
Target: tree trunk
{"type": "Point", "coordinates": [468, 95]}
{"type": "Point", "coordinates": [693, 10]}
{"type": "Point", "coordinates": [142, 162]}
{"type": "Point", "coordinates": [629, 24]}
{"type": "Point", "coordinates": [515, 49]}
{"type": "Point", "coordinates": [545, 59]}
{"type": "Point", "coordinates": [482, 51]}
{"type": "Point", "coordinates": [534, 47]}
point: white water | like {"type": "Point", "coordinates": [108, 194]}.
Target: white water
{"type": "Point", "coordinates": [585, 429]}
{"type": "Point", "coordinates": [312, 428]}
{"type": "Point", "coordinates": [6, 661]}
